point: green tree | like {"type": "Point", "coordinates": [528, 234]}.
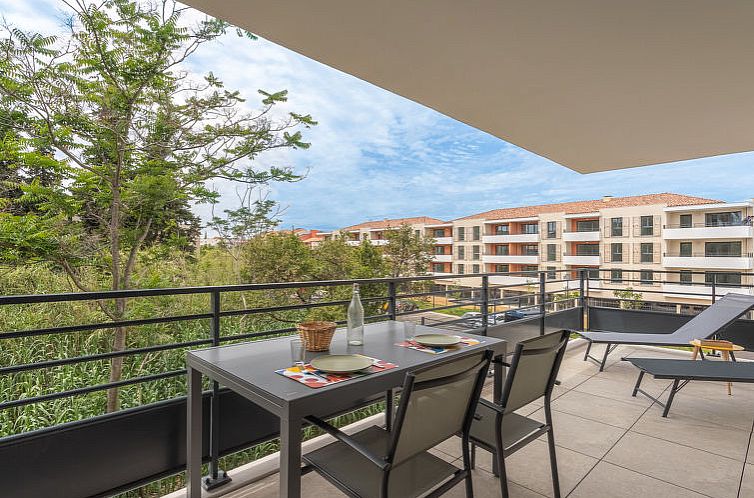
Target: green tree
{"type": "Point", "coordinates": [131, 136]}
{"type": "Point", "coordinates": [407, 253]}
{"type": "Point", "coordinates": [630, 300]}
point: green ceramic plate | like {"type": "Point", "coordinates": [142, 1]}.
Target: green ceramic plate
{"type": "Point", "coordinates": [437, 340]}
{"type": "Point", "coordinates": [341, 363]}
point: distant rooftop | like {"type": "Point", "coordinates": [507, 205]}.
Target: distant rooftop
{"type": "Point", "coordinates": [666, 199]}
{"type": "Point", "coordinates": [395, 223]}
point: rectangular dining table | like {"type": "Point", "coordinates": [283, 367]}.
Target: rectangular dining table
{"type": "Point", "coordinates": [249, 370]}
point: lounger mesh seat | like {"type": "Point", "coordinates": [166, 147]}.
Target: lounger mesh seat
{"type": "Point", "coordinates": [709, 322]}
{"type": "Point", "coordinates": [684, 371]}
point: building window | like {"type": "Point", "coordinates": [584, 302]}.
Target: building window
{"type": "Point", "coordinates": [686, 221]}
{"type": "Point", "coordinates": [723, 278]}
{"type": "Point", "coordinates": [475, 268]}
{"type": "Point", "coordinates": [552, 229]}
{"type": "Point", "coordinates": [686, 277]}
{"type": "Point", "coordinates": [552, 273]}
{"type": "Point", "coordinates": [685, 249]}
{"type": "Point", "coordinates": [438, 232]}
{"type": "Point", "coordinates": [439, 250]}
{"type": "Point", "coordinates": [530, 250]}
{"type": "Point", "coordinates": [589, 273]}
{"type": "Point", "coordinates": [732, 218]}
{"type": "Point", "coordinates": [461, 270]}
{"type": "Point", "coordinates": [461, 252]}
{"type": "Point", "coordinates": [616, 227]}
{"type": "Point", "coordinates": [616, 276]}
{"type": "Point", "coordinates": [502, 230]}
{"type": "Point", "coordinates": [503, 250]}
{"type": "Point", "coordinates": [530, 270]}
{"type": "Point", "coordinates": [587, 250]}
{"type": "Point", "coordinates": [438, 268]}
{"type": "Point", "coordinates": [461, 233]}
{"type": "Point", "coordinates": [722, 249]}
{"type": "Point", "coordinates": [502, 268]}
{"type": "Point", "coordinates": [616, 252]}
{"type": "Point", "coordinates": [646, 277]}
{"type": "Point", "coordinates": [647, 225]}
{"type": "Point", "coordinates": [588, 226]}
{"type": "Point", "coordinates": [530, 228]}
{"type": "Point", "coordinates": [418, 233]}
{"type": "Point", "coordinates": [647, 253]}
{"type": "Point", "coordinates": [476, 233]}
{"type": "Point", "coordinates": [475, 253]}
{"type": "Point", "coordinates": [552, 252]}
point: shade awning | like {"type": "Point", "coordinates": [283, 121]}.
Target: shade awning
{"type": "Point", "coordinates": [591, 84]}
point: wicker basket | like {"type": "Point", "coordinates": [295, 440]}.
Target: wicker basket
{"type": "Point", "coordinates": [316, 336]}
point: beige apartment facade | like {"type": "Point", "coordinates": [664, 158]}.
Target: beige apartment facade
{"type": "Point", "coordinates": [670, 248]}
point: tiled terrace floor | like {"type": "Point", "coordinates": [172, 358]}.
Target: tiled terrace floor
{"type": "Point", "coordinates": [613, 445]}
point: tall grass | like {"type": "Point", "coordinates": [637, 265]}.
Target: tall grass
{"type": "Point", "coordinates": [211, 268]}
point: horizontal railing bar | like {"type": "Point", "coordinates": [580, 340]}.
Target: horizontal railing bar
{"type": "Point", "coordinates": [272, 309]}
{"type": "Point", "coordinates": [89, 389]}
{"type": "Point", "coordinates": [98, 326]}
{"type": "Point", "coordinates": [99, 356]}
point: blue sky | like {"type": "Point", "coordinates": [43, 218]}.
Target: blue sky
{"type": "Point", "coordinates": [376, 155]}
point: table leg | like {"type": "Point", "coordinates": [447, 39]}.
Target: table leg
{"type": "Point", "coordinates": [389, 409]}
{"type": "Point", "coordinates": [290, 457]}
{"type": "Point", "coordinates": [194, 434]}
{"type": "Point", "coordinates": [726, 357]}
{"type": "Point", "coordinates": [695, 353]}
{"type": "Point", "coordinates": [497, 386]}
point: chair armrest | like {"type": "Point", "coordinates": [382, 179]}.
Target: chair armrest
{"type": "Point", "coordinates": [348, 441]}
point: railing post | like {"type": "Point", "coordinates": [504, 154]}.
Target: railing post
{"type": "Point", "coordinates": [484, 304]}
{"type": "Point", "coordinates": [217, 477]}
{"type": "Point", "coordinates": [714, 287]}
{"type": "Point", "coordinates": [582, 298]}
{"type": "Point", "coordinates": [391, 301]}
{"type": "Point", "coordinates": [542, 304]}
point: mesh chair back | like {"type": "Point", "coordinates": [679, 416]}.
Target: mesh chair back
{"type": "Point", "coordinates": [533, 369]}
{"type": "Point", "coordinates": [436, 404]}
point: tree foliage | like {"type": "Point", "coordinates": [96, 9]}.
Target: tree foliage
{"type": "Point", "coordinates": [407, 253]}
{"type": "Point", "coordinates": [128, 137]}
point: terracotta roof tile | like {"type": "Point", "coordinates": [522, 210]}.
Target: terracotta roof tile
{"type": "Point", "coordinates": [395, 223]}
{"type": "Point", "coordinates": [667, 199]}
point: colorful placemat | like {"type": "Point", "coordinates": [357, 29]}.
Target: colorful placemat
{"type": "Point", "coordinates": [314, 378]}
{"type": "Point", "coordinates": [465, 341]}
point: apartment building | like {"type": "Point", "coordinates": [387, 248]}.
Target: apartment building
{"type": "Point", "coordinates": [635, 240]}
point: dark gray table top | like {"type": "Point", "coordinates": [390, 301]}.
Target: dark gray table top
{"type": "Point", "coordinates": [249, 368]}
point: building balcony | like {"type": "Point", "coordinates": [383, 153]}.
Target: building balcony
{"type": "Point", "coordinates": [440, 273]}
{"type": "Point", "coordinates": [582, 236]}
{"type": "Point", "coordinates": [513, 280]}
{"type": "Point", "coordinates": [520, 238]}
{"type": "Point", "coordinates": [517, 258]}
{"type": "Point", "coordinates": [701, 291]}
{"type": "Point", "coordinates": [701, 261]}
{"type": "Point", "coordinates": [353, 242]}
{"type": "Point", "coordinates": [705, 232]}
{"type": "Point", "coordinates": [441, 241]}
{"type": "Point", "coordinates": [581, 260]}
{"type": "Point", "coordinates": [442, 258]}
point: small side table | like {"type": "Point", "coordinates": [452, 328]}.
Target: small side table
{"type": "Point", "coordinates": [727, 352]}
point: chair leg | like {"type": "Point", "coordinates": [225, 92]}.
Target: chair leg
{"type": "Point", "coordinates": [588, 349]}
{"type": "Point", "coordinates": [500, 460]}
{"type": "Point", "coordinates": [467, 466]}
{"type": "Point", "coordinates": [472, 458]}
{"type": "Point", "coordinates": [553, 457]}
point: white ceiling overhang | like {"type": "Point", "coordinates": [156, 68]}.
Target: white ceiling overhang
{"type": "Point", "coordinates": [591, 84]}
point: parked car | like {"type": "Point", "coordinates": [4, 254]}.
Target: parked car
{"type": "Point", "coordinates": [513, 315]}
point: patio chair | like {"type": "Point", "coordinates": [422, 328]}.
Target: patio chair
{"type": "Point", "coordinates": [436, 403]}
{"type": "Point", "coordinates": [531, 376]}
{"type": "Point", "coordinates": [709, 322]}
